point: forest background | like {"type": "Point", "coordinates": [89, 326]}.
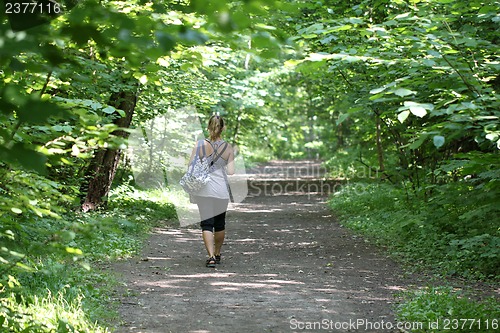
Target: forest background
{"type": "Point", "coordinates": [400, 96]}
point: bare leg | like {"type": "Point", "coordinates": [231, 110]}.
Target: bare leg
{"type": "Point", "coordinates": [208, 239]}
{"type": "Point", "coordinates": [219, 239]}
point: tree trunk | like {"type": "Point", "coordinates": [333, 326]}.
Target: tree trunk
{"type": "Point", "coordinates": [102, 168]}
{"type": "Point", "coordinates": [237, 127]}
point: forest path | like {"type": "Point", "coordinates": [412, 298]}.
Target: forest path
{"type": "Point", "coordinates": [287, 266]}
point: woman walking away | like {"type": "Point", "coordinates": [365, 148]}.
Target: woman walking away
{"type": "Point", "coordinates": [213, 198]}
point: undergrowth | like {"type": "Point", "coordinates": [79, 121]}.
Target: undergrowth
{"type": "Point", "coordinates": [67, 291]}
{"type": "Point", "coordinates": [448, 310]}
{"type": "Point", "coordinates": [435, 234]}
{"type": "Point", "coordinates": [443, 234]}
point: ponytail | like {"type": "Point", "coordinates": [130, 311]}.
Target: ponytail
{"type": "Point", "coordinates": [215, 126]}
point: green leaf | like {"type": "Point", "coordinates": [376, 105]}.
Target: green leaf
{"type": "Point", "coordinates": [403, 115]}
{"type": "Point", "coordinates": [24, 266]}
{"type": "Point", "coordinates": [492, 136]}
{"type": "Point", "coordinates": [342, 118]}
{"type": "Point", "coordinates": [355, 20]}
{"type": "Point", "coordinates": [337, 28]}
{"type": "Point", "coordinates": [488, 9]}
{"type": "Point", "coordinates": [16, 210]}
{"type": "Point", "coordinates": [418, 111]}
{"type": "Point", "coordinates": [109, 110]}
{"type": "Point", "coordinates": [377, 96]}
{"type": "Point", "coordinates": [417, 143]}
{"type": "Point", "coordinates": [93, 104]}
{"type": "Point", "coordinates": [402, 92]}
{"type": "Point", "coordinates": [402, 16]}
{"type": "Point", "coordinates": [438, 141]}
{"type": "Point", "coordinates": [73, 250]}
{"type": "Point", "coordinates": [378, 90]}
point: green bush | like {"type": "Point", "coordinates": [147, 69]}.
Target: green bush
{"type": "Point", "coordinates": [443, 233]}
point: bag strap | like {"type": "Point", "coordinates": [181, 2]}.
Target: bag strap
{"type": "Point", "coordinates": [201, 152]}
{"type": "Point", "coordinates": [199, 147]}
{"type": "Point", "coordinates": [217, 155]}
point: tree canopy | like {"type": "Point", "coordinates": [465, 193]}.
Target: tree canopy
{"type": "Point", "coordinates": [406, 90]}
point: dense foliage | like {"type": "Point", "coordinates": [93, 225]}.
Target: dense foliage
{"type": "Point", "coordinates": [431, 234]}
{"type": "Point", "coordinates": [403, 90]}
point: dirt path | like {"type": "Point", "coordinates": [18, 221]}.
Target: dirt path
{"type": "Point", "coordinates": [287, 267]}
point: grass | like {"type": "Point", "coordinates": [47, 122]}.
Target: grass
{"type": "Point", "coordinates": [68, 291]}
{"type": "Point", "coordinates": [48, 313]}
{"type": "Point", "coordinates": [443, 309]}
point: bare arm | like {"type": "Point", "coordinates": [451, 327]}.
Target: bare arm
{"type": "Point", "coordinates": [230, 162]}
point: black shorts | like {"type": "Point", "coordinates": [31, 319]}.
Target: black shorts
{"type": "Point", "coordinates": [212, 213]}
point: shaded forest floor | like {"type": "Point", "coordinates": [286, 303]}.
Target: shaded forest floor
{"type": "Point", "coordinates": [287, 265]}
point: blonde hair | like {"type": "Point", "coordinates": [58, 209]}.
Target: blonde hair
{"type": "Point", "coordinates": [215, 126]}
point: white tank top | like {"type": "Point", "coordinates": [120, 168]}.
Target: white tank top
{"type": "Point", "coordinates": [217, 187]}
